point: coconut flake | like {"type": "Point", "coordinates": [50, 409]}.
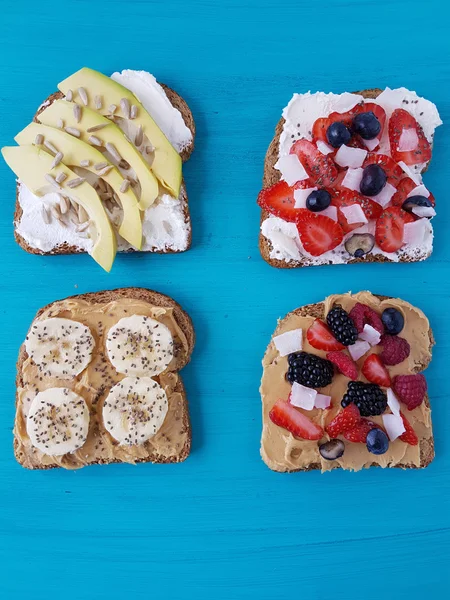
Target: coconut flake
{"type": "Point", "coordinates": [322, 401]}
{"type": "Point", "coordinates": [350, 157]}
{"type": "Point", "coordinates": [358, 349]}
{"type": "Point", "coordinates": [323, 148]}
{"type": "Point", "coordinates": [371, 144]}
{"type": "Point", "coordinates": [424, 211]}
{"type": "Point", "coordinates": [352, 179]}
{"type": "Point", "coordinates": [414, 233]}
{"type": "Point", "coordinates": [302, 397]}
{"type": "Point", "coordinates": [354, 214]}
{"type": "Point", "coordinates": [408, 140]}
{"type": "Point", "coordinates": [394, 426]}
{"type": "Point", "coordinates": [420, 190]}
{"type": "Point", "coordinates": [288, 342]}
{"type": "Point", "coordinates": [416, 177]}
{"type": "Point", "coordinates": [370, 334]}
{"type": "Point", "coordinates": [300, 197]}
{"type": "Point", "coordinates": [393, 402]}
{"type": "Point", "coordinates": [291, 169]}
{"type": "Point", "coordinates": [330, 212]}
{"type": "Point", "coordinates": [384, 197]}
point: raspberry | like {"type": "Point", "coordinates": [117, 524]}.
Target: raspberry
{"type": "Point", "coordinates": [410, 389]}
{"type": "Point", "coordinates": [362, 314]}
{"type": "Point", "coordinates": [409, 435]}
{"type": "Point", "coordinates": [345, 420]}
{"type": "Point", "coordinates": [344, 364]}
{"type": "Point", "coordinates": [395, 349]}
{"type": "Point", "coordinates": [359, 433]}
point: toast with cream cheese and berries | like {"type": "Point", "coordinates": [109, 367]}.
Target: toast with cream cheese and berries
{"type": "Point", "coordinates": [343, 180]}
{"type": "Point", "coordinates": [98, 382]}
{"type": "Point", "coordinates": [342, 386]}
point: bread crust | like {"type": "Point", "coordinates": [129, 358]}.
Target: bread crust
{"type": "Point", "coordinates": [178, 102]}
{"type": "Point", "coordinates": [427, 454]}
{"type": "Point", "coordinates": [155, 299]}
{"type": "Point", "coordinates": [272, 176]}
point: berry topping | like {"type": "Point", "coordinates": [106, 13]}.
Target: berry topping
{"type": "Point", "coordinates": [318, 200]}
{"type": "Point", "coordinates": [377, 441]}
{"type": "Point", "coordinates": [410, 389]}
{"type": "Point", "coordinates": [366, 125]}
{"type": "Point", "coordinates": [378, 112]}
{"type": "Point", "coordinates": [389, 229]}
{"type": "Point", "coordinates": [369, 398]}
{"type": "Point", "coordinates": [414, 201]}
{"type": "Point", "coordinates": [395, 349]}
{"type": "Point", "coordinates": [319, 167]}
{"type": "Point", "coordinates": [344, 198]}
{"type": "Point", "coordinates": [319, 234]}
{"type": "Point", "coordinates": [393, 172]}
{"type": "Point", "coordinates": [393, 320]}
{"type": "Point", "coordinates": [362, 315]}
{"type": "Point", "coordinates": [409, 435]}
{"type": "Point", "coordinates": [320, 337]}
{"type": "Point", "coordinates": [404, 187]}
{"type": "Point", "coordinates": [359, 244]}
{"type": "Point", "coordinates": [338, 134]}
{"type": "Point", "coordinates": [375, 372]}
{"type": "Point", "coordinates": [344, 364]}
{"type": "Point", "coordinates": [332, 450]}
{"type": "Point", "coordinates": [279, 201]}
{"type": "Point", "coordinates": [342, 326]}
{"type": "Point", "coordinates": [309, 370]}
{"type": "Point", "coordinates": [346, 420]}
{"type": "Point", "coordinates": [373, 180]}
{"type": "Point", "coordinates": [359, 433]}
{"type": "Point", "coordinates": [403, 125]}
{"type": "Point", "coordinates": [285, 415]}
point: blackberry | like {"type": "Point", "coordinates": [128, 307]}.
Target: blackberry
{"type": "Point", "coordinates": [309, 370]}
{"type": "Point", "coordinates": [342, 326]}
{"type": "Point", "coordinates": [368, 397]}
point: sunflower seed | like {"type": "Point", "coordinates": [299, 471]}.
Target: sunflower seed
{"type": "Point", "coordinates": [55, 210]}
{"type": "Point", "coordinates": [60, 124]}
{"type": "Point", "coordinates": [46, 215]}
{"type": "Point", "coordinates": [113, 151]}
{"type": "Point", "coordinates": [100, 166]}
{"type": "Point", "coordinates": [51, 147]}
{"type": "Point", "coordinates": [69, 96]}
{"type": "Point", "coordinates": [85, 163]}
{"type": "Point", "coordinates": [112, 108]}
{"type": "Point", "coordinates": [125, 107]}
{"type": "Point", "coordinates": [102, 187]}
{"type": "Point", "coordinates": [98, 102]}
{"type": "Point", "coordinates": [73, 206]}
{"type": "Point", "coordinates": [106, 196]}
{"type": "Point", "coordinates": [58, 158]}
{"type": "Point", "coordinates": [133, 111]}
{"type": "Point", "coordinates": [149, 149]}
{"type": "Point", "coordinates": [97, 127]}
{"type": "Point", "coordinates": [95, 141]}
{"type": "Point", "coordinates": [39, 139]}
{"type": "Point", "coordinates": [125, 185]}
{"type": "Point", "coordinates": [83, 226]}
{"type": "Point", "coordinates": [77, 112]}
{"type": "Point", "coordinates": [60, 177]}
{"type": "Point", "coordinates": [64, 205]}
{"type": "Point", "coordinates": [83, 95]}
{"type": "Point", "coordinates": [82, 214]}
{"type": "Point", "coordinates": [48, 177]}
{"type": "Point", "coordinates": [124, 165]}
{"type": "Point", "coordinates": [139, 138]}
{"type": "Point", "coordinates": [73, 183]}
{"type": "Point", "coordinates": [73, 131]}
{"type": "Point", "coordinates": [105, 171]}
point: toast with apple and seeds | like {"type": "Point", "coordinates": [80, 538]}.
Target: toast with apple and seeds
{"type": "Point", "coordinates": [284, 449]}
{"type": "Point", "coordinates": [99, 312]}
{"type": "Point", "coordinates": [272, 176]}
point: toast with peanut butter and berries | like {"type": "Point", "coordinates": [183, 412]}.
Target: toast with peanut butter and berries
{"type": "Point", "coordinates": [98, 382]}
{"type": "Point", "coordinates": [343, 387]}
{"type": "Point", "coordinates": [343, 180]}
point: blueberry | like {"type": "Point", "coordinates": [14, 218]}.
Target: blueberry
{"type": "Point", "coordinates": [393, 321]}
{"type": "Point", "coordinates": [366, 125]}
{"type": "Point", "coordinates": [377, 441]}
{"type": "Point", "coordinates": [414, 201]}
{"type": "Point", "coordinates": [360, 244]}
{"type": "Point", "coordinates": [338, 134]}
{"type": "Point", "coordinates": [373, 180]}
{"type": "Point", "coordinates": [332, 449]}
{"type": "Point", "coordinates": [318, 200]}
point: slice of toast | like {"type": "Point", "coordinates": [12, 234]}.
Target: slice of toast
{"type": "Point", "coordinates": [272, 176]}
{"type": "Point", "coordinates": [283, 452]}
{"type": "Point", "coordinates": [171, 443]}
{"type": "Point", "coordinates": [65, 248]}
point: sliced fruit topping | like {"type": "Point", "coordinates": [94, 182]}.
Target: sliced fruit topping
{"type": "Point", "coordinates": [393, 320]}
{"type": "Point", "coordinates": [374, 371]}
{"type": "Point", "coordinates": [332, 449]}
{"type": "Point", "coordinates": [344, 364]}
{"type": "Point", "coordinates": [407, 139]}
{"type": "Point", "coordinates": [393, 425]}
{"type": "Point", "coordinates": [395, 349]}
{"type": "Point", "coordinates": [285, 415]}
{"type": "Point", "coordinates": [393, 172]}
{"type": "Point", "coordinates": [373, 180]}
{"type": "Point", "coordinates": [319, 336]}
{"type": "Point", "coordinates": [338, 134]}
{"type": "Point", "coordinates": [319, 167]}
{"type": "Point", "coordinates": [362, 315]}
{"type": "Point", "coordinates": [372, 209]}
{"type": "Point", "coordinates": [390, 228]}
{"type": "Point", "coordinates": [279, 201]}
{"type": "Point", "coordinates": [377, 441]}
{"type": "Point", "coordinates": [409, 436]}
{"type": "Point", "coordinates": [318, 200]}
{"type": "Point", "coordinates": [404, 187]}
{"type": "Point", "coordinates": [360, 244]}
{"type": "Point", "coordinates": [359, 433]}
{"type": "Point", "coordinates": [309, 370]}
{"type": "Point", "coordinates": [319, 234]}
{"type": "Point", "coordinates": [344, 198]}
{"type": "Point", "coordinates": [369, 398]}
{"type": "Point", "coordinates": [410, 389]}
{"type": "Point", "coordinates": [342, 326]}
{"type": "Point", "coordinates": [345, 420]}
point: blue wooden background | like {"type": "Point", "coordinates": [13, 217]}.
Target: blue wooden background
{"type": "Point", "coordinates": [221, 525]}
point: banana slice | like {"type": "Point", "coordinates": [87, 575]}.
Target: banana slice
{"type": "Point", "coordinates": [134, 410]}
{"type": "Point", "coordinates": [60, 347]}
{"type": "Point", "coordinates": [139, 345]}
{"type": "Point", "coordinates": [58, 421]}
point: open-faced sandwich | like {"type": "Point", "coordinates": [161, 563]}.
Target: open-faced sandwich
{"type": "Point", "coordinates": [343, 180]}
{"type": "Point", "coordinates": [100, 168]}
{"type": "Point", "coordinates": [343, 387]}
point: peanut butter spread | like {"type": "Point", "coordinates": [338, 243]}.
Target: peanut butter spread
{"type": "Point", "coordinates": [94, 384]}
{"type": "Point", "coordinates": [283, 452]}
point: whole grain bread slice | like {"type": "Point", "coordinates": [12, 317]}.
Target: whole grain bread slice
{"type": "Point", "coordinates": [103, 297]}
{"type": "Point", "coordinates": [179, 103]}
{"type": "Point", "coordinates": [272, 176]}
{"type": "Point", "coordinates": [427, 454]}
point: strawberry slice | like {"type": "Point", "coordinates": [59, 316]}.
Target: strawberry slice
{"type": "Point", "coordinates": [319, 130]}
{"type": "Point", "coordinates": [341, 199]}
{"type": "Point", "coordinates": [371, 209]}
{"type": "Point", "coordinates": [279, 200]}
{"type": "Point", "coordinates": [319, 233]}
{"type": "Point", "coordinates": [320, 337]}
{"type": "Point", "coordinates": [344, 364]}
{"type": "Point", "coordinates": [404, 188]}
{"type": "Point", "coordinates": [375, 372]}
{"type": "Point", "coordinates": [409, 435]}
{"type": "Point", "coordinates": [344, 421]}
{"type": "Point", "coordinates": [389, 228]}
{"type": "Point", "coordinates": [346, 117]}
{"type": "Point", "coordinates": [285, 415]}
{"type": "Point", "coordinates": [320, 168]}
{"type": "Point", "coordinates": [401, 120]}
{"type": "Point", "coordinates": [393, 172]}
{"type": "Point", "coordinates": [359, 433]}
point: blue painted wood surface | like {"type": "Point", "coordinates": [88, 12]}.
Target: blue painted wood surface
{"type": "Point", "coordinates": [221, 525]}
